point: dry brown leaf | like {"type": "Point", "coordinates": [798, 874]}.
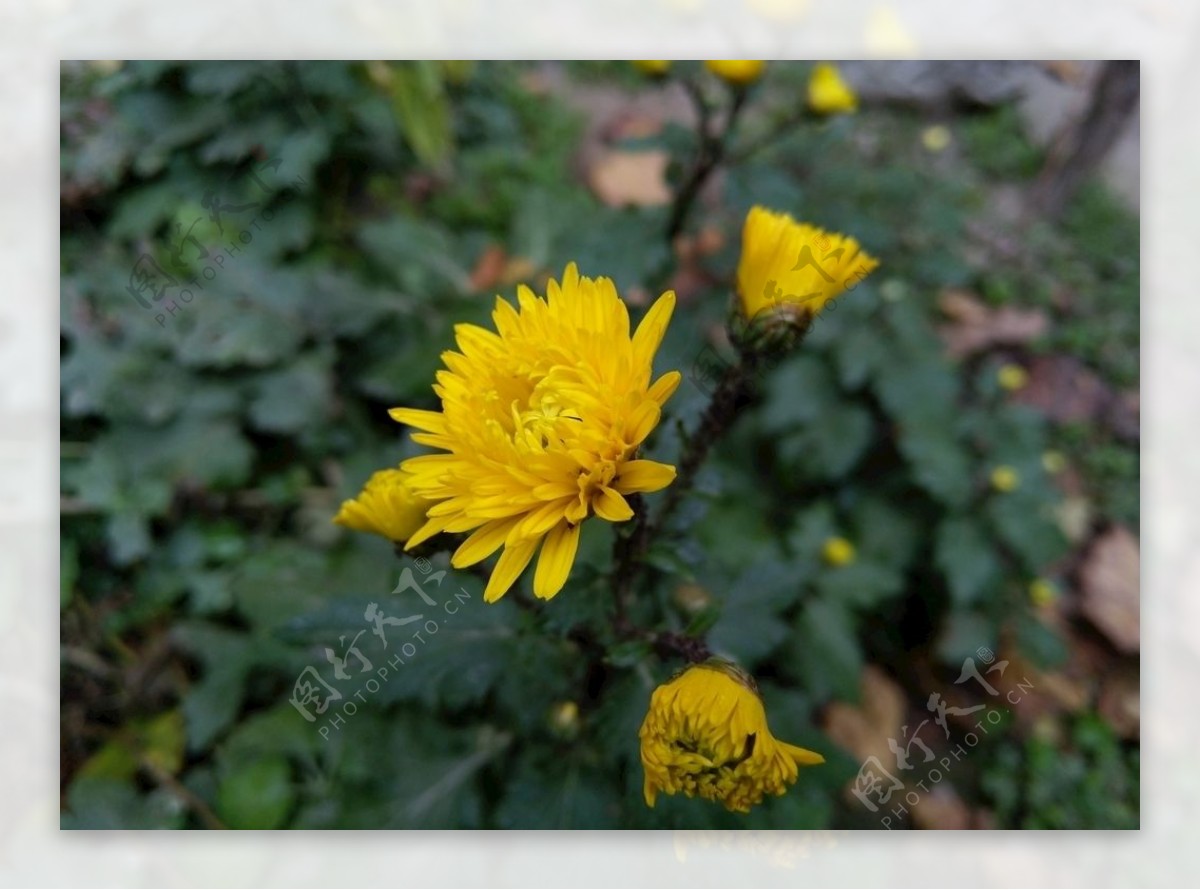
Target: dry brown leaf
{"type": "Point", "coordinates": [865, 730]}
{"type": "Point", "coordinates": [1121, 703]}
{"type": "Point", "coordinates": [1111, 590]}
{"type": "Point", "coordinates": [489, 268]}
{"type": "Point", "coordinates": [1062, 388]}
{"type": "Point", "coordinates": [621, 178]}
{"type": "Point", "coordinates": [974, 326]}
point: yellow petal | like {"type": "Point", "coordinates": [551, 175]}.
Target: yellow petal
{"type": "Point", "coordinates": [802, 756]}
{"type": "Point", "coordinates": [430, 421]}
{"type": "Point", "coordinates": [508, 567]}
{"type": "Point", "coordinates": [643, 475]}
{"type": "Point", "coordinates": [650, 332]}
{"type": "Point", "coordinates": [556, 559]}
{"type": "Point", "coordinates": [483, 542]}
{"type": "Point", "coordinates": [664, 387]}
{"type": "Point", "coordinates": [611, 506]}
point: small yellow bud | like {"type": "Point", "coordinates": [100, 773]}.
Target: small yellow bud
{"type": "Point", "coordinates": [1053, 462]}
{"type": "Point", "coordinates": [564, 719]}
{"type": "Point", "coordinates": [935, 138]}
{"type": "Point", "coordinates": [1012, 377]}
{"type": "Point", "coordinates": [1042, 592]}
{"type": "Point", "coordinates": [828, 93]}
{"type": "Point", "coordinates": [1005, 479]}
{"type": "Point", "coordinates": [652, 68]}
{"type": "Point", "coordinates": [737, 72]}
{"type": "Point", "coordinates": [837, 552]}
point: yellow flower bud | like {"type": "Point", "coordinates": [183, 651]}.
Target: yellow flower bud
{"type": "Point", "coordinates": [1005, 479]}
{"type": "Point", "coordinates": [564, 719]}
{"type": "Point", "coordinates": [935, 138]}
{"type": "Point", "coordinates": [828, 93]}
{"type": "Point", "coordinates": [706, 735]}
{"type": "Point", "coordinates": [791, 270]}
{"type": "Point", "coordinates": [652, 68]}
{"type": "Point", "coordinates": [1012, 377]}
{"type": "Point", "coordinates": [737, 72]}
{"type": "Point", "coordinates": [1042, 592]}
{"type": "Point", "coordinates": [1053, 462]}
{"type": "Point", "coordinates": [838, 552]}
{"type": "Point", "coordinates": [386, 506]}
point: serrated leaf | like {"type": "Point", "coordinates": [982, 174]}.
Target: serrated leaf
{"type": "Point", "coordinates": [966, 557]}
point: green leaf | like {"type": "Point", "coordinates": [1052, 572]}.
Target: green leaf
{"type": "Point", "coordinates": [966, 557]}
{"type": "Point", "coordinates": [257, 795]}
{"type": "Point", "coordinates": [825, 657]}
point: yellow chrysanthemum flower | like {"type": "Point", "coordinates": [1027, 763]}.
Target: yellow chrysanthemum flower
{"type": "Point", "coordinates": [706, 734]}
{"type": "Point", "coordinates": [652, 68]}
{"type": "Point", "coordinates": [386, 506]}
{"type": "Point", "coordinates": [794, 267]}
{"type": "Point", "coordinates": [837, 552]}
{"type": "Point", "coordinates": [541, 424]}
{"type": "Point", "coordinates": [738, 72]}
{"type": "Point", "coordinates": [828, 93]}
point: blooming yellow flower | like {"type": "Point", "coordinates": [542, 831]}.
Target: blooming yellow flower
{"type": "Point", "coordinates": [838, 552]}
{"type": "Point", "coordinates": [652, 68]}
{"type": "Point", "coordinates": [1012, 377]}
{"type": "Point", "coordinates": [828, 93]}
{"type": "Point", "coordinates": [1005, 479]}
{"type": "Point", "coordinates": [541, 423]}
{"type": "Point", "coordinates": [386, 506]}
{"type": "Point", "coordinates": [794, 267]}
{"type": "Point", "coordinates": [738, 72]}
{"type": "Point", "coordinates": [706, 734]}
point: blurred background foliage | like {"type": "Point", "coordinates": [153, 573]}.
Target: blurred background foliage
{"type": "Point", "coordinates": [359, 212]}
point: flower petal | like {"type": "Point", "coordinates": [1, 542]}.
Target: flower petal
{"type": "Point", "coordinates": [650, 331]}
{"type": "Point", "coordinates": [643, 475]}
{"type": "Point", "coordinates": [555, 560]}
{"type": "Point", "coordinates": [482, 543]}
{"type": "Point", "coordinates": [508, 567]}
{"type": "Point", "coordinates": [609, 505]}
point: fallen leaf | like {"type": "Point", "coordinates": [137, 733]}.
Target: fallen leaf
{"type": "Point", "coordinates": [973, 326]}
{"type": "Point", "coordinates": [1065, 390]}
{"type": "Point", "coordinates": [621, 178]}
{"type": "Point", "coordinates": [1109, 579]}
{"type": "Point", "coordinates": [1121, 702]}
{"type": "Point", "coordinates": [489, 268]}
{"type": "Point", "coordinates": [941, 810]}
{"type": "Point", "coordinates": [865, 730]}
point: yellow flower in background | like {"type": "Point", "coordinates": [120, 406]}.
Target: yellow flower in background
{"type": "Point", "coordinates": [794, 267]}
{"type": "Point", "coordinates": [828, 93]}
{"type": "Point", "coordinates": [706, 735]}
{"type": "Point", "coordinates": [936, 138]}
{"type": "Point", "coordinates": [541, 422]}
{"type": "Point", "coordinates": [386, 506]}
{"type": "Point", "coordinates": [738, 72]}
{"type": "Point", "coordinates": [1053, 462]}
{"type": "Point", "coordinates": [838, 552]}
{"type": "Point", "coordinates": [1012, 377]}
{"type": "Point", "coordinates": [1005, 479]}
{"type": "Point", "coordinates": [652, 68]}
{"type": "Point", "coordinates": [1042, 592]}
